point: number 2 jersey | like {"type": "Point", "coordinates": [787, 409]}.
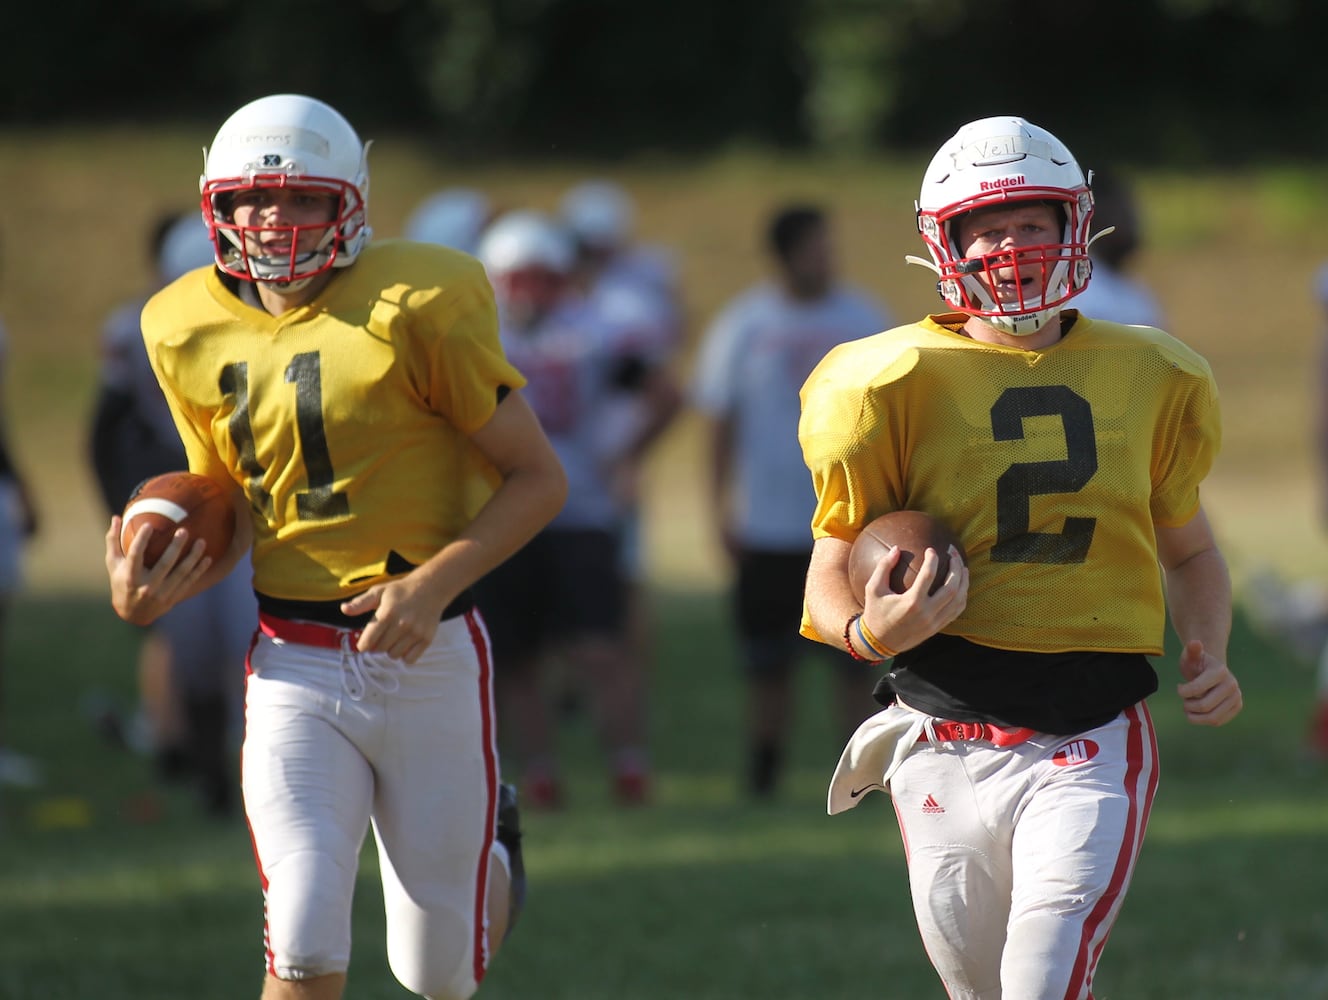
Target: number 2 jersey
{"type": "Point", "coordinates": [346, 421]}
{"type": "Point", "coordinates": [1053, 466]}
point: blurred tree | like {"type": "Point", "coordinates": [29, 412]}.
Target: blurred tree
{"type": "Point", "coordinates": [1158, 81]}
{"type": "Point", "coordinates": [1176, 81]}
{"type": "Point", "coordinates": [560, 76]}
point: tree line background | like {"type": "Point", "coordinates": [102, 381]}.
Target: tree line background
{"type": "Point", "coordinates": [1201, 82]}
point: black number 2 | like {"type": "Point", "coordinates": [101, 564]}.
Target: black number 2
{"type": "Point", "coordinates": [320, 501]}
{"type": "Point", "coordinates": [1022, 480]}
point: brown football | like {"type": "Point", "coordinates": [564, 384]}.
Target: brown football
{"type": "Point", "coordinates": [174, 500]}
{"type": "Point", "coordinates": [913, 531]}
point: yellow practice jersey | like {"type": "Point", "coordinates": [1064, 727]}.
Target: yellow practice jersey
{"type": "Point", "coordinates": [346, 421]}
{"type": "Point", "coordinates": [1053, 466]}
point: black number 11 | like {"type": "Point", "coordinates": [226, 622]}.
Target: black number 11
{"type": "Point", "coordinates": [320, 501]}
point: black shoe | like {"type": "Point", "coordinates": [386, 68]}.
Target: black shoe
{"type": "Point", "coordinates": [508, 834]}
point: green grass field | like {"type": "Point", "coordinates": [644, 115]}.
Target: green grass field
{"type": "Point", "coordinates": [701, 894]}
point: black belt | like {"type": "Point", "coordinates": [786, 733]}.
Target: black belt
{"type": "Point", "coordinates": [329, 612]}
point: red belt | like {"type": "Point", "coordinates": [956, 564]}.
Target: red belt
{"type": "Point", "coordinates": [307, 633]}
{"type": "Point", "coordinates": [953, 732]}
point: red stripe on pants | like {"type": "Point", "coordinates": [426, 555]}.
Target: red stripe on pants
{"type": "Point", "coordinates": [481, 642]}
{"type": "Point", "coordinates": [1141, 729]}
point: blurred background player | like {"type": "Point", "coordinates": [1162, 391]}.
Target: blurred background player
{"type": "Point", "coordinates": [601, 217]}
{"type": "Point", "coordinates": [634, 287]}
{"type": "Point", "coordinates": [18, 525]}
{"type": "Point", "coordinates": [563, 594]}
{"type": "Point", "coordinates": [1115, 294]}
{"type": "Point", "coordinates": [191, 660]}
{"type": "Point", "coordinates": [454, 217]}
{"type": "Point", "coordinates": [753, 360]}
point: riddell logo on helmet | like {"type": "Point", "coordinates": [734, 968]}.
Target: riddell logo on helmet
{"type": "Point", "coordinates": [1001, 182]}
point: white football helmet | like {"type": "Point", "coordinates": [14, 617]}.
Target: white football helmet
{"type": "Point", "coordinates": [524, 240]}
{"type": "Point", "coordinates": [529, 259]}
{"type": "Point", "coordinates": [286, 141]}
{"type": "Point", "coordinates": [599, 214]}
{"type": "Point", "coordinates": [996, 162]}
{"type": "Point", "coordinates": [453, 217]}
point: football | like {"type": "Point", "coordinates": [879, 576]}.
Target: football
{"type": "Point", "coordinates": [913, 531]}
{"type": "Point", "coordinates": [174, 500]}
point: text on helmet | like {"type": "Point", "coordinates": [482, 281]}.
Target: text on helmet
{"type": "Point", "coordinates": [1002, 182]}
{"type": "Point", "coordinates": [291, 139]}
{"type": "Point", "coordinates": [1002, 149]}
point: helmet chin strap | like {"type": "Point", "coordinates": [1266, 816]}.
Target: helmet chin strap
{"type": "Point", "coordinates": [283, 287]}
{"type": "Point", "coordinates": [1024, 325]}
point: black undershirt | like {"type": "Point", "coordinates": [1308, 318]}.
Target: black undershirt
{"type": "Point", "coordinates": [1060, 693]}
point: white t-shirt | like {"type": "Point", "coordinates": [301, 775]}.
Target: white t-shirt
{"type": "Point", "coordinates": [752, 364]}
{"type": "Point", "coordinates": [1112, 296]}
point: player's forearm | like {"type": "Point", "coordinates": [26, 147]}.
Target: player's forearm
{"type": "Point", "coordinates": [1199, 599]}
{"type": "Point", "coordinates": [665, 403]}
{"type": "Point", "coordinates": [526, 501]}
{"type": "Point", "coordinates": [830, 600]}
{"type": "Point", "coordinates": [721, 464]}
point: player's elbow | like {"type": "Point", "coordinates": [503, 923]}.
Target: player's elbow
{"type": "Point", "coordinates": [555, 487]}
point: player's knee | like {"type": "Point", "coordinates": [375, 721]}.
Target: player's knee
{"type": "Point", "coordinates": [436, 984]}
{"type": "Point", "coordinates": [308, 918]}
{"type": "Point", "coordinates": [444, 961]}
{"type": "Point", "coordinates": [295, 965]}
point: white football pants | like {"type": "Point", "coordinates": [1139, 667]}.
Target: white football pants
{"type": "Point", "coordinates": [1019, 857]}
{"type": "Point", "coordinates": [336, 739]}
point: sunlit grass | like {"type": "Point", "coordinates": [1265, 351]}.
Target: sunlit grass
{"type": "Point", "coordinates": [701, 894]}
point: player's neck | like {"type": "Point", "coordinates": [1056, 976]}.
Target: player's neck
{"type": "Point", "coordinates": [276, 301]}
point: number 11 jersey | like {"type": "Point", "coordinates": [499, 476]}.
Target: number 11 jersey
{"type": "Point", "coordinates": [347, 420]}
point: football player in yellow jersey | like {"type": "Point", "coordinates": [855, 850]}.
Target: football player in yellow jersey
{"type": "Point", "coordinates": [383, 459]}
{"type": "Point", "coordinates": [1067, 453]}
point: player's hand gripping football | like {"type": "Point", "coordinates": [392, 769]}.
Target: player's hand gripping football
{"type": "Point", "coordinates": [406, 614]}
{"type": "Point", "coordinates": [903, 621]}
{"type": "Point", "coordinates": [1210, 693]}
{"type": "Point", "coordinates": [141, 594]}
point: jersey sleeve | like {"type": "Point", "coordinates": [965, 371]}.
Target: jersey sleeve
{"type": "Point", "coordinates": [847, 440]}
{"type": "Point", "coordinates": [1189, 436]}
{"type": "Point", "coordinates": [192, 420]}
{"type": "Point", "coordinates": [465, 365]}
